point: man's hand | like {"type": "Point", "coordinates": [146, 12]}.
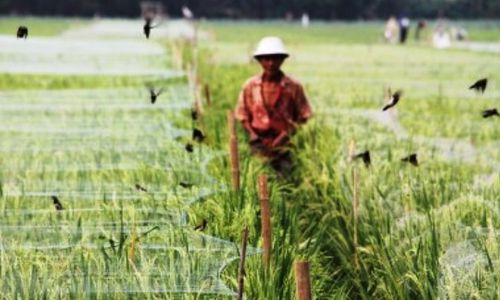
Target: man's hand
{"type": "Point", "coordinates": [253, 137]}
{"type": "Point", "coordinates": [280, 140]}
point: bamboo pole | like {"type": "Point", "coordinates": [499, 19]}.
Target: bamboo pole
{"type": "Point", "coordinates": [302, 281]}
{"type": "Point", "coordinates": [233, 151]}
{"type": "Point", "coordinates": [241, 273]}
{"type": "Point", "coordinates": [206, 90]}
{"type": "Point", "coordinates": [355, 201]}
{"type": "Point", "coordinates": [265, 218]}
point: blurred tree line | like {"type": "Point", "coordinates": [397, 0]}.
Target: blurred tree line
{"type": "Point", "coordinates": [322, 9]}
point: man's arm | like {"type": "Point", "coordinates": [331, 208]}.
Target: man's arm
{"type": "Point", "coordinates": [303, 109]}
{"type": "Point", "coordinates": [241, 113]}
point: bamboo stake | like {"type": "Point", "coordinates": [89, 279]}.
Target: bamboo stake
{"type": "Point", "coordinates": [302, 281]}
{"type": "Point", "coordinates": [265, 218]}
{"type": "Point", "coordinates": [233, 151]}
{"type": "Point", "coordinates": [241, 273]}
{"type": "Point", "coordinates": [206, 89]}
{"type": "Point", "coordinates": [355, 202]}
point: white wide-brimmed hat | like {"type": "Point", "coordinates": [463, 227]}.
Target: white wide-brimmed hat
{"type": "Point", "coordinates": [270, 45]}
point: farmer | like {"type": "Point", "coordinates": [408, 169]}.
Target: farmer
{"type": "Point", "coordinates": [271, 105]}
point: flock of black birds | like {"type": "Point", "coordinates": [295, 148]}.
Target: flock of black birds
{"type": "Point", "coordinates": [198, 135]}
{"type": "Point", "coordinates": [479, 86]}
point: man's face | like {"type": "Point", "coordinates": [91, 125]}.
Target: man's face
{"type": "Point", "coordinates": [271, 64]}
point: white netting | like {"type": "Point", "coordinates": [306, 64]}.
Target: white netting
{"type": "Point", "coordinates": [90, 148]}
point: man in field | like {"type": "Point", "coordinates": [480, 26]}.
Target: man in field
{"type": "Point", "coordinates": [271, 105]}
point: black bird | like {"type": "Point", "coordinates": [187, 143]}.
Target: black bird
{"type": "Point", "coordinates": [194, 114]}
{"type": "Point", "coordinates": [365, 156]}
{"type": "Point", "coordinates": [394, 100]}
{"type": "Point", "coordinates": [201, 226]}
{"type": "Point", "coordinates": [140, 188]}
{"type": "Point", "coordinates": [189, 147]}
{"type": "Point", "coordinates": [22, 32]}
{"type": "Point", "coordinates": [154, 94]}
{"type": "Point", "coordinates": [148, 26]}
{"type": "Point", "coordinates": [57, 203]}
{"type": "Point", "coordinates": [412, 159]}
{"type": "Point", "coordinates": [490, 113]}
{"type": "Point", "coordinates": [479, 85]}
{"type": "Point", "coordinates": [185, 184]}
{"type": "Point", "coordinates": [198, 135]}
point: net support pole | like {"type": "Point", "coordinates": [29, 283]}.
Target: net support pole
{"type": "Point", "coordinates": [233, 151]}
{"type": "Point", "coordinates": [241, 272]}
{"type": "Point", "coordinates": [265, 217]}
{"type": "Point", "coordinates": [206, 91]}
{"type": "Point", "coordinates": [355, 201]}
{"type": "Point", "coordinates": [302, 281]}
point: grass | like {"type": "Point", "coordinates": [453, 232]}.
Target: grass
{"type": "Point", "coordinates": [409, 217]}
{"type": "Point", "coordinates": [416, 226]}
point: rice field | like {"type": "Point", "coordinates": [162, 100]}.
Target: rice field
{"type": "Point", "coordinates": [82, 129]}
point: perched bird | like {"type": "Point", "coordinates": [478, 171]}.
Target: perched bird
{"type": "Point", "coordinates": [185, 184]}
{"type": "Point", "coordinates": [393, 101]}
{"type": "Point", "coordinates": [140, 188]}
{"type": "Point", "coordinates": [22, 32]}
{"type": "Point", "coordinates": [479, 85]}
{"type": "Point", "coordinates": [189, 147]}
{"type": "Point", "coordinates": [201, 226]}
{"type": "Point", "coordinates": [186, 12]}
{"type": "Point", "coordinates": [194, 114]}
{"type": "Point", "coordinates": [490, 113]}
{"type": "Point", "coordinates": [57, 203]}
{"type": "Point", "coordinates": [412, 159]}
{"type": "Point", "coordinates": [365, 156]}
{"type": "Point", "coordinates": [154, 94]}
{"type": "Point", "coordinates": [198, 135]}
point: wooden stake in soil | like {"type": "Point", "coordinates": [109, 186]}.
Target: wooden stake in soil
{"type": "Point", "coordinates": [241, 273]}
{"type": "Point", "coordinates": [206, 91]}
{"type": "Point", "coordinates": [355, 202]}
{"type": "Point", "coordinates": [233, 151]}
{"type": "Point", "coordinates": [302, 281]}
{"type": "Point", "coordinates": [265, 218]}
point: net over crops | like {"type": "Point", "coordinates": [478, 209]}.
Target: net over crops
{"type": "Point", "coordinates": [95, 186]}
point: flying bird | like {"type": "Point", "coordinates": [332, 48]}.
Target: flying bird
{"type": "Point", "coordinates": [148, 26]}
{"type": "Point", "coordinates": [185, 184]}
{"type": "Point", "coordinates": [479, 85]}
{"type": "Point", "coordinates": [198, 135]}
{"type": "Point", "coordinates": [57, 203]}
{"type": "Point", "coordinates": [393, 101]}
{"type": "Point", "coordinates": [202, 226]}
{"type": "Point", "coordinates": [189, 147]}
{"type": "Point", "coordinates": [490, 113]}
{"type": "Point", "coordinates": [365, 156]}
{"type": "Point", "coordinates": [22, 32]}
{"type": "Point", "coordinates": [412, 159]}
{"type": "Point", "coordinates": [153, 95]}
{"type": "Point", "coordinates": [186, 12]}
{"type": "Point", "coordinates": [140, 188]}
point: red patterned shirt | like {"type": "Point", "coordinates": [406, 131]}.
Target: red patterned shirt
{"type": "Point", "coordinates": [271, 117]}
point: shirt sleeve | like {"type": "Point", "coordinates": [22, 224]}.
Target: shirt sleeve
{"type": "Point", "coordinates": [304, 111]}
{"type": "Point", "coordinates": [241, 111]}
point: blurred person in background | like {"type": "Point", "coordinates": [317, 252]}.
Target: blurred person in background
{"type": "Point", "coordinates": [421, 25]}
{"type": "Point", "coordinates": [404, 25]}
{"type": "Point", "coordinates": [391, 30]}
{"type": "Point", "coordinates": [271, 106]}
